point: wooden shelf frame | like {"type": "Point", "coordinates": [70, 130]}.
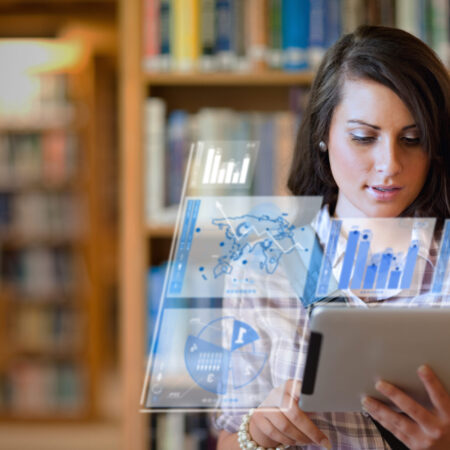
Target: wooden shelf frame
{"type": "Point", "coordinates": [260, 78]}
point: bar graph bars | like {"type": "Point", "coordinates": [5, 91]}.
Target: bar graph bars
{"type": "Point", "coordinates": [442, 263]}
{"type": "Point", "coordinates": [362, 270]}
{"type": "Point", "coordinates": [217, 171]}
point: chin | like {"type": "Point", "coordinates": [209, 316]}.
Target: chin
{"type": "Point", "coordinates": [383, 211]}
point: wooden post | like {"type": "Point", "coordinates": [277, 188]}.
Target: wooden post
{"type": "Point", "coordinates": [132, 245]}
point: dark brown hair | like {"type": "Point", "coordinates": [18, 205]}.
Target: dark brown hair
{"type": "Point", "coordinates": [408, 67]}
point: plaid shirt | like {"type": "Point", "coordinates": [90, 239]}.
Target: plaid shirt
{"type": "Point", "coordinates": [282, 325]}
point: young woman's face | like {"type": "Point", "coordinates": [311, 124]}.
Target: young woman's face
{"type": "Point", "coordinates": [375, 152]}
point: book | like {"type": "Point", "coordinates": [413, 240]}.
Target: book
{"type": "Point", "coordinates": [353, 15]}
{"type": "Point", "coordinates": [334, 21]}
{"type": "Point", "coordinates": [295, 26]}
{"type": "Point", "coordinates": [239, 36]}
{"type": "Point", "coordinates": [177, 152]}
{"type": "Point", "coordinates": [207, 35]}
{"type": "Point", "coordinates": [274, 50]}
{"type": "Point", "coordinates": [256, 32]}
{"type": "Point", "coordinates": [318, 16]}
{"type": "Point", "coordinates": [439, 34]}
{"type": "Point", "coordinates": [224, 34]}
{"type": "Point", "coordinates": [409, 15]}
{"type": "Point", "coordinates": [186, 46]}
{"type": "Point", "coordinates": [154, 156]}
{"type": "Point", "coordinates": [151, 34]}
{"type": "Point", "coordinates": [165, 34]}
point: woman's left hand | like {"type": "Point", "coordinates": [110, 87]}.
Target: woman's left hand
{"type": "Point", "coordinates": [419, 428]}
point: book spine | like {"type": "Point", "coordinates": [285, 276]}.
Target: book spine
{"type": "Point", "coordinates": [177, 144]}
{"type": "Point", "coordinates": [373, 13]}
{"type": "Point", "coordinates": [224, 34]}
{"type": "Point", "coordinates": [274, 53]}
{"type": "Point", "coordinates": [257, 32]}
{"type": "Point", "coordinates": [353, 15]}
{"type": "Point", "coordinates": [155, 111]}
{"type": "Point", "coordinates": [317, 31]}
{"type": "Point", "coordinates": [387, 12]}
{"type": "Point", "coordinates": [408, 16]}
{"type": "Point", "coordinates": [284, 143]}
{"type": "Point", "coordinates": [165, 34]}
{"type": "Point", "coordinates": [333, 20]}
{"type": "Point", "coordinates": [439, 32]}
{"type": "Point", "coordinates": [207, 35]}
{"type": "Point", "coordinates": [151, 35]}
{"type": "Point", "coordinates": [186, 34]}
{"type": "Point", "coordinates": [239, 21]}
{"type": "Point", "coordinates": [264, 170]}
{"type": "Point", "coordinates": [295, 19]}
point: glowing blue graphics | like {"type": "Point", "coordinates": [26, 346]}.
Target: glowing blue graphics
{"type": "Point", "coordinates": [211, 366]}
{"type": "Point", "coordinates": [377, 256]}
{"type": "Point", "coordinates": [442, 263]}
{"type": "Point", "coordinates": [205, 357]}
{"type": "Point", "coordinates": [227, 243]}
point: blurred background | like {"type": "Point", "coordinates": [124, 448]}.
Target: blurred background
{"type": "Point", "coordinates": [99, 101]}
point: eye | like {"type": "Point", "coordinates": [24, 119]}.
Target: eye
{"type": "Point", "coordinates": [411, 140]}
{"type": "Point", "coordinates": [363, 139]}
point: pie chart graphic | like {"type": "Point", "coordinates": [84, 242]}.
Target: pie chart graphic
{"type": "Point", "coordinates": [224, 356]}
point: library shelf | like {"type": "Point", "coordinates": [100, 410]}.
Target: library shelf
{"type": "Point", "coordinates": [249, 78]}
{"type": "Point", "coordinates": [159, 231]}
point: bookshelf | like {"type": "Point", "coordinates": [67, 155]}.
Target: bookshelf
{"type": "Point", "coordinates": [145, 244]}
{"type": "Point", "coordinates": [49, 371]}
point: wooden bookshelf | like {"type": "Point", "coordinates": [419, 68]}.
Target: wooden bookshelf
{"type": "Point", "coordinates": [143, 244]}
{"type": "Point", "coordinates": [262, 78]}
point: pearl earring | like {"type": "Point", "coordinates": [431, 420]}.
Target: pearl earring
{"type": "Point", "coordinates": [322, 146]}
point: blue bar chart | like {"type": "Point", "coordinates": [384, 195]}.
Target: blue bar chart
{"type": "Point", "coordinates": [442, 262]}
{"type": "Point", "coordinates": [360, 265]}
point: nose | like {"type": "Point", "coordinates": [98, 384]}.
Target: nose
{"type": "Point", "coordinates": [388, 158]}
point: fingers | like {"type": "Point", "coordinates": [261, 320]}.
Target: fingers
{"type": "Point", "coordinates": [402, 427]}
{"type": "Point", "coordinates": [274, 430]}
{"type": "Point", "coordinates": [409, 406]}
{"type": "Point", "coordinates": [288, 425]}
{"type": "Point", "coordinates": [436, 391]}
{"type": "Point", "coordinates": [303, 422]}
{"type": "Point", "coordinates": [283, 431]}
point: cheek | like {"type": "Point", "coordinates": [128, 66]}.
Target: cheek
{"type": "Point", "coordinates": [419, 170]}
{"type": "Point", "coordinates": [346, 165]}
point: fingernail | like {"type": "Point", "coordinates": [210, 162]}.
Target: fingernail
{"type": "Point", "coordinates": [325, 443]}
{"type": "Point", "coordinates": [381, 385]}
{"type": "Point", "coordinates": [423, 370]}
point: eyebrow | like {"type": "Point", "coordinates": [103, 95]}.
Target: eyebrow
{"type": "Point", "coordinates": [376, 127]}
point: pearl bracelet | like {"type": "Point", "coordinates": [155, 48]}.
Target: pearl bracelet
{"type": "Point", "coordinates": [245, 440]}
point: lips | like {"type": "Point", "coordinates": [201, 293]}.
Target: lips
{"type": "Point", "coordinates": [383, 192]}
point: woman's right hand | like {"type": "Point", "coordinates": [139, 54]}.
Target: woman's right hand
{"type": "Point", "coordinates": [286, 424]}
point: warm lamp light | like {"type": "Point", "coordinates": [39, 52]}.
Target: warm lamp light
{"type": "Point", "coordinates": [37, 56]}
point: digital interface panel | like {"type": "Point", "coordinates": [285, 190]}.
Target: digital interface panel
{"type": "Point", "coordinates": [215, 359]}
{"type": "Point", "coordinates": [377, 257]}
{"type": "Point", "coordinates": [229, 245]}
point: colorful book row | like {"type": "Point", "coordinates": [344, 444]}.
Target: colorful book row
{"type": "Point", "coordinates": [49, 157]}
{"type": "Point", "coordinates": [209, 35]}
{"type": "Point", "coordinates": [39, 272]}
{"type": "Point", "coordinates": [38, 388]}
{"type": "Point", "coordinates": [168, 144]}
{"type": "Point", "coordinates": [40, 215]}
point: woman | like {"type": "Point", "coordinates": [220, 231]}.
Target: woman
{"type": "Point", "coordinates": [374, 142]}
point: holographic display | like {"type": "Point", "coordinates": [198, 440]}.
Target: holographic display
{"type": "Point", "coordinates": [209, 358]}
{"type": "Point", "coordinates": [379, 257]}
{"type": "Point", "coordinates": [227, 243]}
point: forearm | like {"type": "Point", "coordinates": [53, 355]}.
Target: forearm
{"type": "Point", "coordinates": [227, 441]}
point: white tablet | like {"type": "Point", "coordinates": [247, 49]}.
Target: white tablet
{"type": "Point", "coordinates": [351, 348]}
